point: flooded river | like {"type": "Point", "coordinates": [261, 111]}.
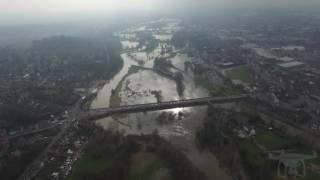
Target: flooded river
{"type": "Point", "coordinates": [177, 125]}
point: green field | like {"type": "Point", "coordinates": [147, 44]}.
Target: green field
{"type": "Point", "coordinates": [242, 73]}
{"type": "Point", "coordinates": [252, 154]}
{"type": "Point", "coordinates": [144, 166]}
{"type": "Point", "coordinates": [273, 141]}
{"type": "Point", "coordinates": [203, 82]}
{"type": "Point", "coordinates": [88, 165]}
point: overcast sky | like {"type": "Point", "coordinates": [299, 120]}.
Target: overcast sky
{"type": "Point", "coordinates": [89, 6]}
{"type": "Point", "coordinates": [43, 8]}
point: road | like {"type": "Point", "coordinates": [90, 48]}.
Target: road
{"type": "Point", "coordinates": [35, 166]}
{"type": "Point", "coordinates": [33, 131]}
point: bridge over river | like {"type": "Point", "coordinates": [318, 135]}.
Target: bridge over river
{"type": "Point", "coordinates": [94, 114]}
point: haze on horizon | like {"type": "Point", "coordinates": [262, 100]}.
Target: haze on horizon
{"type": "Point", "coordinates": [33, 10]}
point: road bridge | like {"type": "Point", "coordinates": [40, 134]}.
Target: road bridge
{"type": "Point", "coordinates": [166, 105]}
{"type": "Point", "coordinates": [94, 114]}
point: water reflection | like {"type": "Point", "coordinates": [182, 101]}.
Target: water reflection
{"type": "Point", "coordinates": [176, 110]}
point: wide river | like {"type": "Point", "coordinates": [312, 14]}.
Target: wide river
{"type": "Point", "coordinates": [177, 125]}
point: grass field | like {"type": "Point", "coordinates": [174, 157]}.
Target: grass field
{"type": "Point", "coordinates": [272, 141]}
{"type": "Point", "coordinates": [203, 82]}
{"type": "Point", "coordinates": [253, 155]}
{"type": "Point", "coordinates": [88, 165]}
{"type": "Point", "coordinates": [242, 73]}
{"type": "Point", "coordinates": [144, 166]}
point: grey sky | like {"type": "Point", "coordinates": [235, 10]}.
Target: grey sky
{"type": "Point", "coordinates": [37, 9]}
{"type": "Point", "coordinates": [111, 6]}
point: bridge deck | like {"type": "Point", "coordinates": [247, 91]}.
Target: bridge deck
{"type": "Point", "coordinates": [169, 104]}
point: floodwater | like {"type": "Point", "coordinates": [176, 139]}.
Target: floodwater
{"type": "Point", "coordinates": [178, 125]}
{"type": "Point", "coordinates": [103, 97]}
{"type": "Point", "coordinates": [129, 44]}
{"type": "Point", "coordinates": [137, 88]}
{"type": "Point", "coordinates": [163, 37]}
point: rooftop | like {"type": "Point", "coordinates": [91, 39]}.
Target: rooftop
{"type": "Point", "coordinates": [291, 64]}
